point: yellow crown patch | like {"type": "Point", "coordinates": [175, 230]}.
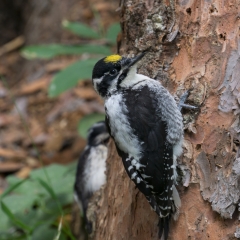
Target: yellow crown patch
{"type": "Point", "coordinates": [112, 58]}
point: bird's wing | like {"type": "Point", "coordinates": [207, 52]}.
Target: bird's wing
{"type": "Point", "coordinates": [145, 118]}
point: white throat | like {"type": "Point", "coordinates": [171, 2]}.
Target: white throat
{"type": "Point", "coordinates": [132, 78]}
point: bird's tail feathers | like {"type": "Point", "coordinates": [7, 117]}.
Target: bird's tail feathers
{"type": "Point", "coordinates": [163, 226]}
{"type": "Point", "coordinates": [176, 203]}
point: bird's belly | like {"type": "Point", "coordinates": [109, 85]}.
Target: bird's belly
{"type": "Point", "coordinates": [121, 131]}
{"type": "Point", "coordinates": [95, 175]}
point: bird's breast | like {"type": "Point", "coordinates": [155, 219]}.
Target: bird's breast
{"type": "Point", "coordinates": [94, 174]}
{"type": "Point", "coordinates": [121, 130]}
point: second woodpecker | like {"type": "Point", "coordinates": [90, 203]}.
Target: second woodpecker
{"type": "Point", "coordinates": [91, 169]}
{"type": "Point", "coordinates": [146, 125]}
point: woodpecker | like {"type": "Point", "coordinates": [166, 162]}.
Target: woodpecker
{"type": "Point", "coordinates": [147, 127]}
{"type": "Point", "coordinates": [91, 168]}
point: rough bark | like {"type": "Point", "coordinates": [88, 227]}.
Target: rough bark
{"type": "Point", "coordinates": [191, 44]}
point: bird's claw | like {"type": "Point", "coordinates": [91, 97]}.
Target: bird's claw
{"type": "Point", "coordinates": [182, 100]}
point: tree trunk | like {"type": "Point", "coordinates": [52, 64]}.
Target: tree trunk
{"type": "Point", "coordinates": [191, 44]}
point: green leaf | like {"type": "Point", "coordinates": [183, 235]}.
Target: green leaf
{"type": "Point", "coordinates": [46, 232]}
{"type": "Point", "coordinates": [29, 188]}
{"type": "Point", "coordinates": [55, 172]}
{"type": "Point", "coordinates": [38, 216]}
{"type": "Point", "coordinates": [64, 195]}
{"type": "Point", "coordinates": [70, 76]}
{"type": "Point", "coordinates": [11, 188]}
{"type": "Point", "coordinates": [52, 50]}
{"type": "Point", "coordinates": [62, 180]}
{"type": "Point", "coordinates": [48, 188]}
{"type": "Point", "coordinates": [43, 232]}
{"type": "Point", "coordinates": [112, 33]}
{"type": "Point", "coordinates": [19, 203]}
{"type": "Point", "coordinates": [80, 29]}
{"type": "Point", "coordinates": [32, 203]}
{"type": "Point", "coordinates": [13, 218]}
{"type": "Point", "coordinates": [87, 121]}
{"type": "Point", "coordinates": [5, 224]}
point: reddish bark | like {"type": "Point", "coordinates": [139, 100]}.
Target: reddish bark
{"type": "Point", "coordinates": [192, 44]}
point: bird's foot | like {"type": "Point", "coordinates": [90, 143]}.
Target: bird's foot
{"type": "Point", "coordinates": [182, 100]}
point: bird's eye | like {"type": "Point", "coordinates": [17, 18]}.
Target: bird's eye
{"type": "Point", "coordinates": [113, 72]}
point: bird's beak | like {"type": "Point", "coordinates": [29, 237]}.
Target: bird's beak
{"type": "Point", "coordinates": [129, 62]}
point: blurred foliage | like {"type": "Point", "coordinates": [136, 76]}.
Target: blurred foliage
{"type": "Point", "coordinates": [71, 73]}
{"type": "Point", "coordinates": [81, 30]}
{"type": "Point", "coordinates": [112, 33]}
{"type": "Point", "coordinates": [82, 69]}
{"type": "Point", "coordinates": [53, 50]}
{"type": "Point", "coordinates": [34, 208]}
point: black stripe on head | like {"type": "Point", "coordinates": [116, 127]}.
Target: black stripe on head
{"type": "Point", "coordinates": [104, 85]}
{"type": "Point", "coordinates": [102, 67]}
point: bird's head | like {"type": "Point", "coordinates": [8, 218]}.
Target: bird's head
{"type": "Point", "coordinates": [111, 71]}
{"type": "Point", "coordinates": [98, 134]}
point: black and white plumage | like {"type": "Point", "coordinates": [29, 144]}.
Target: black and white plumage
{"type": "Point", "coordinates": [91, 168]}
{"type": "Point", "coordinates": [146, 125]}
